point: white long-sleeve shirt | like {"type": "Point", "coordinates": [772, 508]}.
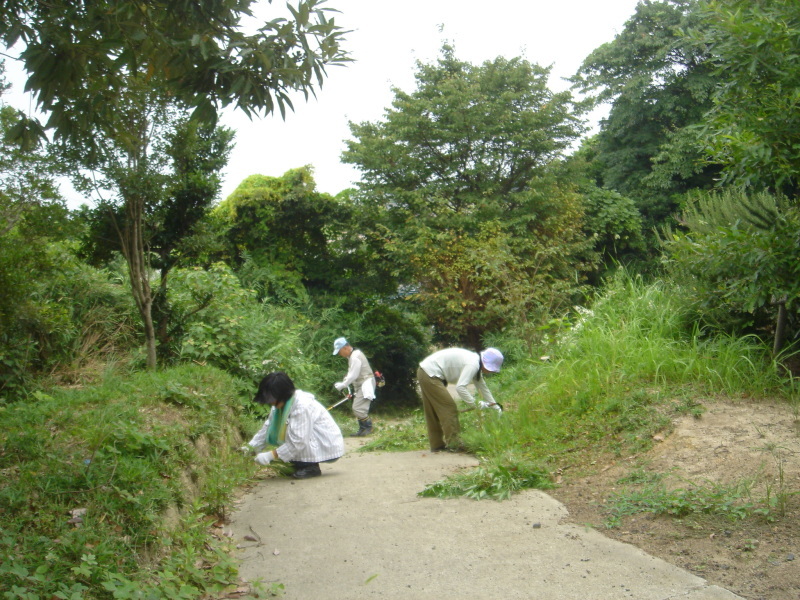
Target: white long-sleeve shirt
{"type": "Point", "coordinates": [311, 433]}
{"type": "Point", "coordinates": [460, 367]}
{"type": "Point", "coordinates": [360, 373]}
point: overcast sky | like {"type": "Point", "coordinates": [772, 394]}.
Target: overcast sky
{"type": "Point", "coordinates": [386, 40]}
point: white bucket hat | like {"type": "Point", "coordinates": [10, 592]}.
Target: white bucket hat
{"type": "Point", "coordinates": [340, 343]}
{"type": "Point", "coordinates": [492, 359]}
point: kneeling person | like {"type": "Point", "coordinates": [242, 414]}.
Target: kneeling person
{"type": "Point", "coordinates": [302, 429]}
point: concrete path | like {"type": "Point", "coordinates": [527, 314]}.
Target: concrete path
{"type": "Point", "coordinates": [361, 531]}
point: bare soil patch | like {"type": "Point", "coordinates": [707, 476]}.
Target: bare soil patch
{"type": "Point", "coordinates": [732, 442]}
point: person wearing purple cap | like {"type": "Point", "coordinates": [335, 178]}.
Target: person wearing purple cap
{"type": "Point", "coordinates": [460, 367]}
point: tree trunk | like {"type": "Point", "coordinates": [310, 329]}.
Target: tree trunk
{"type": "Point", "coordinates": [133, 250]}
{"type": "Point", "coordinates": [780, 329]}
{"type": "Point", "coordinates": [161, 312]}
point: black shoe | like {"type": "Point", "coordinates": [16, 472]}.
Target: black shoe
{"type": "Point", "coordinates": [364, 428]}
{"type": "Point", "coordinates": [459, 448]}
{"type": "Point", "coordinates": [307, 472]}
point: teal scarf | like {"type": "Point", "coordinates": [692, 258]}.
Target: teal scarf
{"type": "Point", "coordinates": [276, 432]}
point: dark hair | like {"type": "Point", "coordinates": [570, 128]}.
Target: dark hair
{"type": "Point", "coordinates": [274, 388]}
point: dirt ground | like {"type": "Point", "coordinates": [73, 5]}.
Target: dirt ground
{"type": "Point", "coordinates": [732, 442]}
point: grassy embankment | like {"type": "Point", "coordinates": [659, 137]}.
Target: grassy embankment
{"type": "Point", "coordinates": [111, 491]}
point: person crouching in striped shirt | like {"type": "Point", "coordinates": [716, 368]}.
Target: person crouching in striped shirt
{"type": "Point", "coordinates": [302, 429]}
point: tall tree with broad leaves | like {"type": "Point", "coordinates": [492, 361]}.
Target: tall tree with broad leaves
{"type": "Point", "coordinates": [460, 172]}
{"type": "Point", "coordinates": [753, 128]}
{"type": "Point", "coordinates": [114, 75]}
{"type": "Point", "coordinates": [753, 132]}
{"type": "Point", "coordinates": [659, 85]}
{"type": "Point", "coordinates": [129, 178]}
{"type": "Point", "coordinates": [78, 53]}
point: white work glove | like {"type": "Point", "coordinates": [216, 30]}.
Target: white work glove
{"type": "Point", "coordinates": [246, 449]}
{"type": "Point", "coordinates": [264, 458]}
{"type": "Point", "coordinates": [339, 386]}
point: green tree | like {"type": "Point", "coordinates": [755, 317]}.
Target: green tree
{"type": "Point", "coordinates": [615, 224]}
{"type": "Point", "coordinates": [753, 128]}
{"type": "Point", "coordinates": [659, 84]}
{"type": "Point", "coordinates": [111, 74]}
{"type": "Point", "coordinates": [193, 156]}
{"type": "Point", "coordinates": [612, 221]}
{"type": "Point", "coordinates": [79, 53]}
{"type": "Point", "coordinates": [283, 225]}
{"type": "Point", "coordinates": [459, 175]}
{"type": "Point", "coordinates": [27, 176]}
{"type": "Point", "coordinates": [739, 252]}
{"type": "Point", "coordinates": [128, 169]}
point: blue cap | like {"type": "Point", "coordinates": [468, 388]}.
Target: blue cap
{"type": "Point", "coordinates": [338, 344]}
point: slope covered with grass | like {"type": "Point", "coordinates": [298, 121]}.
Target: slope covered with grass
{"type": "Point", "coordinates": [109, 491]}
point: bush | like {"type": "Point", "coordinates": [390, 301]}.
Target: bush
{"type": "Point", "coordinates": [224, 325]}
{"type": "Point", "coordinates": [56, 315]}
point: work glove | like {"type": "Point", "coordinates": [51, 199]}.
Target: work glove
{"type": "Point", "coordinates": [264, 458]}
{"type": "Point", "coordinates": [246, 449]}
{"type": "Point", "coordinates": [493, 406]}
{"type": "Point", "coordinates": [339, 385]}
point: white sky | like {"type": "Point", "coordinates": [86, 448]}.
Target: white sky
{"type": "Point", "coordinates": [386, 40]}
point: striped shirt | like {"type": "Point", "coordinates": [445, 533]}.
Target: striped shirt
{"type": "Point", "coordinates": [311, 433]}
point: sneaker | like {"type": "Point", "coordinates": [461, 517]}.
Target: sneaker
{"type": "Point", "coordinates": [307, 472]}
{"type": "Point", "coordinates": [494, 406]}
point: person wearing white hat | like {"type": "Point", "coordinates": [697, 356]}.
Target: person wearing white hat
{"type": "Point", "coordinates": [461, 367]}
{"type": "Point", "coordinates": [361, 376]}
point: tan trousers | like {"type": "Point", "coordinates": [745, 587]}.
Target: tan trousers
{"type": "Point", "coordinates": [361, 406]}
{"type": "Point", "coordinates": [441, 413]}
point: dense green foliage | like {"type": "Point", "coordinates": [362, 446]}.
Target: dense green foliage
{"type": "Point", "coordinates": [284, 227]}
{"type": "Point", "coordinates": [748, 292]}
{"type": "Point", "coordinates": [471, 226]}
{"type": "Point", "coordinates": [753, 129]}
{"type": "Point", "coordinates": [462, 175]}
{"type": "Point", "coordinates": [659, 86]}
{"type": "Point", "coordinates": [89, 475]}
{"type": "Point", "coordinates": [57, 315]}
{"type": "Point", "coordinates": [79, 55]}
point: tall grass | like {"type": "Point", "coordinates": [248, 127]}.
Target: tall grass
{"type": "Point", "coordinates": [614, 377]}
